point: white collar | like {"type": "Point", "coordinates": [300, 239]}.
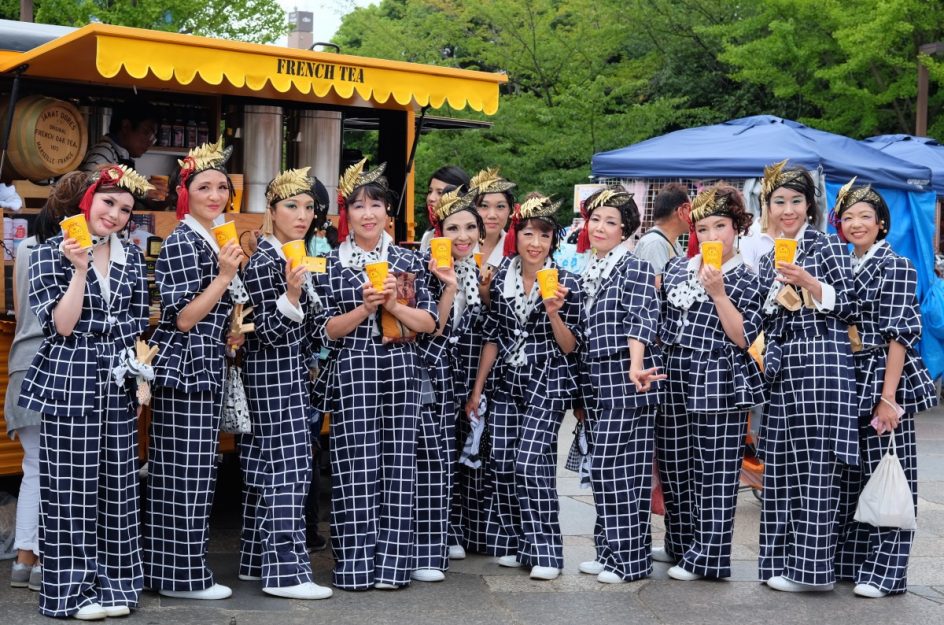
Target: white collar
{"type": "Point", "coordinates": [346, 249]}
{"type": "Point", "coordinates": [513, 271]}
{"type": "Point", "coordinates": [272, 240]}
{"type": "Point", "coordinates": [694, 263]}
{"type": "Point", "coordinates": [617, 253]}
{"type": "Point", "coordinates": [858, 262]}
{"type": "Point", "coordinates": [195, 225]}
{"type": "Point", "coordinates": [117, 252]}
{"type": "Point", "coordinates": [495, 258]}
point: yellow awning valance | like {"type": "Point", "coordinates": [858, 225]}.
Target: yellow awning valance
{"type": "Point", "coordinates": [147, 59]}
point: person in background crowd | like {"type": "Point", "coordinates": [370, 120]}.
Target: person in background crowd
{"type": "Point", "coordinates": [439, 183]}
{"type": "Point", "coordinates": [618, 384]}
{"type": "Point", "coordinates": [892, 385]}
{"type": "Point", "coordinates": [712, 314]}
{"type": "Point", "coordinates": [494, 202]}
{"type": "Point", "coordinates": [92, 304]}
{"type": "Point", "coordinates": [276, 455]}
{"type": "Point", "coordinates": [131, 132]}
{"type": "Point", "coordinates": [670, 214]}
{"type": "Point", "coordinates": [810, 430]}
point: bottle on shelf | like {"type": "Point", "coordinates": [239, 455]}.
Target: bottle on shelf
{"type": "Point", "coordinates": [191, 129]}
{"type": "Point", "coordinates": [203, 129]}
{"type": "Point", "coordinates": [179, 140]}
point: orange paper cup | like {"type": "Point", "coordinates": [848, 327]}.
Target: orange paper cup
{"type": "Point", "coordinates": [377, 273]}
{"type": "Point", "coordinates": [784, 251]}
{"type": "Point", "coordinates": [224, 233]}
{"type": "Point", "coordinates": [478, 259]}
{"type": "Point", "coordinates": [711, 253]}
{"type": "Point", "coordinates": [547, 282]}
{"type": "Point", "coordinates": [441, 250]}
{"type": "Point", "coordinates": [76, 227]}
{"type": "Point", "coordinates": [295, 252]}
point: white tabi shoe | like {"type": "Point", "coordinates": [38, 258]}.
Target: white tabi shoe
{"type": "Point", "coordinates": [428, 575]}
{"type": "Point", "coordinates": [868, 590]}
{"type": "Point", "coordinates": [783, 584]}
{"type": "Point", "coordinates": [609, 577]}
{"type": "Point", "coordinates": [545, 573]}
{"type": "Point", "coordinates": [214, 592]}
{"type": "Point", "coordinates": [385, 586]}
{"type": "Point", "coordinates": [591, 567]}
{"type": "Point", "coordinates": [115, 611]}
{"type": "Point", "coordinates": [249, 578]}
{"type": "Point", "coordinates": [509, 562]}
{"type": "Point", "coordinates": [306, 590]}
{"type": "Point", "coordinates": [659, 554]}
{"type": "Point", "coordinates": [677, 572]}
{"type": "Point", "coordinates": [90, 612]}
{"type": "Point", "coordinates": [456, 552]}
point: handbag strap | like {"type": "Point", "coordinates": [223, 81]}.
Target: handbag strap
{"type": "Point", "coordinates": [892, 448]}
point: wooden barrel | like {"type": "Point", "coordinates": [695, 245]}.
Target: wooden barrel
{"type": "Point", "coordinates": [48, 138]}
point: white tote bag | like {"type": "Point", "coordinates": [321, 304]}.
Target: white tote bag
{"type": "Point", "coordinates": [886, 500]}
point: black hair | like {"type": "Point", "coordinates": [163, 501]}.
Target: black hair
{"type": "Point", "coordinates": [450, 174]}
{"type": "Point", "coordinates": [668, 200]}
{"type": "Point", "coordinates": [509, 197]}
{"type": "Point", "coordinates": [629, 213]}
{"type": "Point", "coordinates": [135, 110]}
{"type": "Point", "coordinates": [63, 201]}
{"type": "Point", "coordinates": [171, 201]}
{"type": "Point", "coordinates": [479, 222]}
{"type": "Point", "coordinates": [376, 190]}
{"type": "Point", "coordinates": [735, 209]}
{"type": "Point", "coordinates": [802, 182]}
{"type": "Point", "coordinates": [877, 202]}
{"type": "Point", "coordinates": [543, 224]}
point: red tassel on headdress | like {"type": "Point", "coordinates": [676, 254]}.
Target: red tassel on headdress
{"type": "Point", "coordinates": [183, 195]}
{"type": "Point", "coordinates": [583, 239]}
{"type": "Point", "coordinates": [511, 238]}
{"type": "Point", "coordinates": [431, 213]}
{"type": "Point", "coordinates": [107, 176]}
{"type": "Point", "coordinates": [836, 223]}
{"type": "Point", "coordinates": [437, 229]}
{"type": "Point", "coordinates": [342, 218]}
{"type": "Point", "coordinates": [692, 240]}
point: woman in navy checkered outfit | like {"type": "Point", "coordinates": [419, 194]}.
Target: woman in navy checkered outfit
{"type": "Point", "coordinates": [197, 281]}
{"type": "Point", "coordinates": [374, 391]}
{"type": "Point", "coordinates": [893, 385]}
{"type": "Point", "coordinates": [712, 314]}
{"type": "Point", "coordinates": [276, 455]}
{"type": "Point", "coordinates": [532, 344]}
{"type": "Point", "coordinates": [810, 429]}
{"type": "Point", "coordinates": [455, 288]}
{"type": "Point", "coordinates": [92, 305]}
{"type": "Point", "coordinates": [619, 385]}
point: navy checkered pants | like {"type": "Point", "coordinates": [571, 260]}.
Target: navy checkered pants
{"type": "Point", "coordinates": [435, 464]}
{"type": "Point", "coordinates": [89, 502]}
{"type": "Point", "coordinates": [184, 439]}
{"type": "Point", "coordinates": [373, 463]}
{"type": "Point", "coordinates": [524, 516]}
{"type": "Point", "coordinates": [876, 555]}
{"type": "Point", "coordinates": [621, 442]}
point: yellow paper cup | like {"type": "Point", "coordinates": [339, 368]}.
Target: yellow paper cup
{"type": "Point", "coordinates": [224, 233]}
{"type": "Point", "coordinates": [547, 282]}
{"type": "Point", "coordinates": [711, 253]}
{"type": "Point", "coordinates": [478, 259]}
{"type": "Point", "coordinates": [295, 252]}
{"type": "Point", "coordinates": [784, 251]}
{"type": "Point", "coordinates": [441, 250]}
{"type": "Point", "coordinates": [377, 273]}
{"type": "Point", "coordinates": [76, 227]}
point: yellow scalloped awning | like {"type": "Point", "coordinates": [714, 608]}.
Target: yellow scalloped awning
{"type": "Point", "coordinates": [146, 59]}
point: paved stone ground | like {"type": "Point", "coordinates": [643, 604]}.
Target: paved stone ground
{"type": "Point", "coordinates": [477, 591]}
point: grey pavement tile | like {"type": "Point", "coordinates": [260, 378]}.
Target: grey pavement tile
{"type": "Point", "coordinates": [567, 608]}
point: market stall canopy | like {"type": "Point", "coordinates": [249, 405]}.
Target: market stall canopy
{"type": "Point", "coordinates": [153, 60]}
{"type": "Point", "coordinates": [919, 150]}
{"type": "Point", "coordinates": [741, 147]}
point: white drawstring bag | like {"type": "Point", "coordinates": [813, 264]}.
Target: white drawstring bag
{"type": "Point", "coordinates": [886, 500]}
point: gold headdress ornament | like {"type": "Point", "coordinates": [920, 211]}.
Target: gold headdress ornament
{"type": "Point", "coordinates": [843, 192]}
{"type": "Point", "coordinates": [707, 203]}
{"type": "Point", "coordinates": [289, 183]}
{"type": "Point", "coordinates": [614, 197]}
{"type": "Point", "coordinates": [489, 181]}
{"type": "Point", "coordinates": [451, 203]}
{"type": "Point", "coordinates": [848, 196]}
{"type": "Point", "coordinates": [125, 178]}
{"type": "Point", "coordinates": [538, 206]}
{"type": "Point", "coordinates": [206, 156]}
{"type": "Point", "coordinates": [355, 176]}
{"type": "Point", "coordinates": [774, 178]}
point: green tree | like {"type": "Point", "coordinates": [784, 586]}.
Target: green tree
{"type": "Point", "coordinates": [260, 21]}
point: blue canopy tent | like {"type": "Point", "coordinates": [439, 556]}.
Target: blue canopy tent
{"type": "Point", "coordinates": [919, 150]}
{"type": "Point", "coordinates": [740, 148]}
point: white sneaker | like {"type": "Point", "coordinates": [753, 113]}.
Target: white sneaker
{"type": "Point", "coordinates": [249, 578]}
{"type": "Point", "coordinates": [659, 554]}
{"type": "Point", "coordinates": [591, 567]}
{"type": "Point", "coordinates": [677, 572]}
{"type": "Point", "coordinates": [609, 577]}
{"type": "Point", "coordinates": [214, 592]}
{"type": "Point", "coordinates": [90, 612]}
{"type": "Point", "coordinates": [428, 575]}
{"type": "Point", "coordinates": [544, 572]}
{"type": "Point", "coordinates": [113, 611]}
{"type": "Point", "coordinates": [306, 590]}
{"type": "Point", "coordinates": [456, 552]}
{"type": "Point", "coordinates": [783, 584]}
{"type": "Point", "coordinates": [868, 590]}
{"type": "Point", "coordinates": [510, 562]}
{"type": "Point", "coordinates": [385, 586]}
